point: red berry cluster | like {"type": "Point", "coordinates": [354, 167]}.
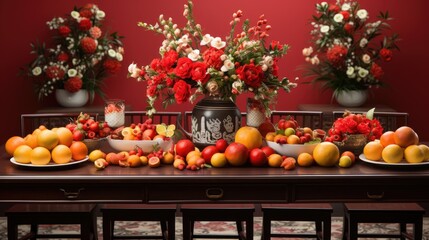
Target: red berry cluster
{"type": "Point", "coordinates": [85, 127]}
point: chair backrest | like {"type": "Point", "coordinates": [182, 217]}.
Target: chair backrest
{"type": "Point", "coordinates": [31, 121]}
{"type": "Point", "coordinates": [389, 120]}
{"type": "Point", "coordinates": [311, 119]}
{"type": "Point", "coordinates": [187, 120]}
{"type": "Point", "coordinates": [158, 117]}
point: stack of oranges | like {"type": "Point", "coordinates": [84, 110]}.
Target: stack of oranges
{"type": "Point", "coordinates": [394, 146]}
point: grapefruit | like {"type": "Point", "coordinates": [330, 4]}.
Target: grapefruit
{"type": "Point", "coordinates": [326, 154]}
{"type": "Point", "coordinates": [405, 136]}
{"type": "Point", "coordinates": [414, 154]}
{"type": "Point", "coordinates": [392, 153]}
{"type": "Point", "coordinates": [249, 137]}
{"type": "Point", "coordinates": [387, 138]}
{"type": "Point", "coordinates": [65, 136]}
{"type": "Point", "coordinates": [47, 139]}
{"type": "Point", "coordinates": [373, 150]}
{"type": "Point", "coordinates": [40, 156]}
{"type": "Point", "coordinates": [22, 154]}
{"type": "Point", "coordinates": [61, 154]}
{"type": "Point", "coordinates": [79, 150]}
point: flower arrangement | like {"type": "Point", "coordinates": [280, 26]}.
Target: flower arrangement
{"type": "Point", "coordinates": [193, 63]}
{"type": "Point", "coordinates": [346, 52]}
{"type": "Point", "coordinates": [351, 124]}
{"type": "Point", "coordinates": [82, 56]}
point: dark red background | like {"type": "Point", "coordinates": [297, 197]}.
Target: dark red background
{"type": "Point", "coordinates": [23, 22]}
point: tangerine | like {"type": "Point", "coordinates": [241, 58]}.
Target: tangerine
{"type": "Point", "coordinates": [305, 160]}
{"type": "Point", "coordinates": [218, 160]}
{"type": "Point", "coordinates": [79, 150]}
{"type": "Point", "coordinates": [392, 153]}
{"type": "Point", "coordinates": [406, 136]}
{"type": "Point", "coordinates": [40, 156]}
{"type": "Point", "coordinates": [270, 136]}
{"type": "Point", "coordinates": [22, 154]}
{"type": "Point", "coordinates": [350, 154]}
{"type": "Point", "coordinates": [413, 154]}
{"type": "Point", "coordinates": [12, 143]}
{"type": "Point", "coordinates": [326, 154]}
{"type": "Point", "coordinates": [48, 139]}
{"type": "Point", "coordinates": [249, 137]}
{"type": "Point", "coordinates": [373, 150]}
{"type": "Point", "coordinates": [65, 136]}
{"type": "Point", "coordinates": [61, 154]}
{"type": "Point", "coordinates": [31, 140]}
{"type": "Point", "coordinates": [275, 160]}
{"type": "Point", "coordinates": [387, 138]}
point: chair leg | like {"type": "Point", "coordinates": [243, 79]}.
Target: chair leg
{"type": "Point", "coordinates": [249, 229]}
{"type": "Point", "coordinates": [34, 229]}
{"type": "Point", "coordinates": [327, 229]}
{"type": "Point", "coordinates": [107, 228]}
{"type": "Point", "coordinates": [418, 228]}
{"type": "Point", "coordinates": [345, 227]}
{"type": "Point", "coordinates": [188, 227]}
{"type": "Point", "coordinates": [266, 228]}
{"type": "Point", "coordinates": [171, 228]}
{"type": "Point", "coordinates": [12, 229]}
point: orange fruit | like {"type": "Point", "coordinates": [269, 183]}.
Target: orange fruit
{"type": "Point", "coordinates": [40, 156]}
{"type": "Point", "coordinates": [305, 160]}
{"type": "Point", "coordinates": [373, 150]}
{"type": "Point", "coordinates": [22, 154]}
{"type": "Point", "coordinates": [413, 154]}
{"type": "Point", "coordinates": [96, 154]}
{"type": "Point", "coordinates": [349, 154]}
{"type": "Point", "coordinates": [280, 138]}
{"type": "Point", "coordinates": [405, 136]}
{"type": "Point", "coordinates": [79, 150]}
{"type": "Point", "coordinates": [193, 154]}
{"type": "Point", "coordinates": [293, 139]}
{"type": "Point", "coordinates": [425, 150]}
{"type": "Point", "coordinates": [387, 138]}
{"type": "Point", "coordinates": [270, 136]}
{"type": "Point", "coordinates": [65, 136]}
{"type": "Point", "coordinates": [31, 140]}
{"type": "Point", "coordinates": [275, 160]}
{"type": "Point", "coordinates": [249, 137]}
{"type": "Point", "coordinates": [168, 158]}
{"type": "Point", "coordinates": [61, 154]}
{"type": "Point", "coordinates": [326, 154]}
{"type": "Point", "coordinates": [12, 143]}
{"type": "Point", "coordinates": [218, 160]}
{"type": "Point", "coordinates": [392, 153]}
{"type": "Point", "coordinates": [48, 139]}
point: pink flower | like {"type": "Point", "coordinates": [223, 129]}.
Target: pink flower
{"type": "Point", "coordinates": [95, 32]}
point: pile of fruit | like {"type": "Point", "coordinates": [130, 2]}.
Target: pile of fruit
{"type": "Point", "coordinates": [288, 131]}
{"type": "Point", "coordinates": [85, 127]}
{"type": "Point", "coordinates": [144, 131]}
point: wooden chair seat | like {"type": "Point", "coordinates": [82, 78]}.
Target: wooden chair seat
{"type": "Point", "coordinates": [35, 214]}
{"type": "Point", "coordinates": [319, 213]}
{"type": "Point", "coordinates": [164, 213]}
{"type": "Point", "coordinates": [401, 213]}
{"type": "Point", "coordinates": [239, 213]}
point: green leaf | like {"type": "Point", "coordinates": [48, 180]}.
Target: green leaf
{"type": "Point", "coordinates": [370, 114]}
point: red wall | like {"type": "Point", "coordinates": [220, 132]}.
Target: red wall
{"type": "Point", "coordinates": [22, 22]}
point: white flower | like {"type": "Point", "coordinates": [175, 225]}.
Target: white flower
{"type": "Point", "coordinates": [324, 28]}
{"type": "Point", "coordinates": [268, 60]}
{"type": "Point", "coordinates": [315, 60]}
{"type": "Point", "coordinates": [362, 14]}
{"type": "Point", "coordinates": [206, 40]}
{"type": "Point", "coordinates": [345, 7]}
{"type": "Point", "coordinates": [72, 72]}
{"type": "Point", "coordinates": [119, 57]}
{"type": "Point", "coordinates": [184, 40]}
{"type": "Point", "coordinates": [366, 58]}
{"type": "Point", "coordinates": [217, 43]}
{"type": "Point", "coordinates": [100, 15]}
{"type": "Point", "coordinates": [363, 42]}
{"type": "Point", "coordinates": [362, 72]}
{"type": "Point", "coordinates": [194, 55]}
{"type": "Point", "coordinates": [350, 71]}
{"type": "Point", "coordinates": [133, 70]}
{"type": "Point", "coordinates": [112, 53]}
{"type": "Point", "coordinates": [323, 4]}
{"type": "Point", "coordinates": [227, 65]}
{"type": "Point", "coordinates": [307, 51]}
{"type": "Point", "coordinates": [36, 71]}
{"type": "Point", "coordinates": [338, 17]}
{"type": "Point", "coordinates": [75, 14]}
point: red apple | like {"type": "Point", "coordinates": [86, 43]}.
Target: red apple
{"type": "Point", "coordinates": [221, 145]}
{"type": "Point", "coordinates": [267, 150]}
{"type": "Point", "coordinates": [184, 146]}
{"type": "Point", "coordinates": [148, 134]}
{"type": "Point", "coordinates": [208, 152]}
{"type": "Point", "coordinates": [266, 127]}
{"type": "Point", "coordinates": [236, 154]}
{"type": "Point", "coordinates": [258, 157]}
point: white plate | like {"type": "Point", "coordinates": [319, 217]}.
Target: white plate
{"type": "Point", "coordinates": [381, 162]}
{"type": "Point", "coordinates": [292, 150]}
{"type": "Point", "coordinates": [49, 165]}
{"type": "Point", "coordinates": [146, 145]}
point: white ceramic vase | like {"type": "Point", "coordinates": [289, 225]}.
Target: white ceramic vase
{"type": "Point", "coordinates": [68, 99]}
{"type": "Point", "coordinates": [351, 98]}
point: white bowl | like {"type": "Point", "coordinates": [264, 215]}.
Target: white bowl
{"type": "Point", "coordinates": [292, 150]}
{"type": "Point", "coordinates": [146, 145]}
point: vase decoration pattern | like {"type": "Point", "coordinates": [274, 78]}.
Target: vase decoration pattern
{"type": "Point", "coordinates": [351, 98]}
{"type": "Point", "coordinates": [255, 113]}
{"type": "Point", "coordinates": [214, 119]}
{"type": "Point", "coordinates": [68, 99]}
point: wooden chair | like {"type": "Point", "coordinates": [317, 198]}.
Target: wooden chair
{"type": "Point", "coordinates": [239, 213]}
{"type": "Point", "coordinates": [36, 214]}
{"type": "Point", "coordinates": [319, 213]}
{"type": "Point", "coordinates": [400, 213]}
{"type": "Point", "coordinates": [163, 213]}
{"type": "Point", "coordinates": [312, 119]}
{"type": "Point", "coordinates": [29, 122]}
{"type": "Point", "coordinates": [389, 120]}
{"type": "Point", "coordinates": [158, 117]}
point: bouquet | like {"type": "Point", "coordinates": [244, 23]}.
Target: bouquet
{"type": "Point", "coordinates": [81, 57]}
{"type": "Point", "coordinates": [347, 48]}
{"type": "Point", "coordinates": [193, 63]}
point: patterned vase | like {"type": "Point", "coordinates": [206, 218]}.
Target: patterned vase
{"type": "Point", "coordinates": [214, 119]}
{"type": "Point", "coordinates": [68, 99]}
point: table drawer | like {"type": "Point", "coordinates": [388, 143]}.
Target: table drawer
{"type": "Point", "coordinates": [78, 192]}
{"type": "Point", "coordinates": [216, 192]}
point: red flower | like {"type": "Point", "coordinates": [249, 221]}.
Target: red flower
{"type": "Point", "coordinates": [376, 71]}
{"type": "Point", "coordinates": [182, 91]}
{"type": "Point", "coordinates": [348, 28]}
{"type": "Point", "coordinates": [386, 54]}
{"type": "Point", "coordinates": [151, 91]}
{"type": "Point", "coordinates": [63, 57]}
{"type": "Point", "coordinates": [346, 15]}
{"type": "Point", "coordinates": [89, 45]}
{"type": "Point", "coordinates": [275, 45]}
{"type": "Point", "coordinates": [212, 57]}
{"type": "Point", "coordinates": [64, 31]}
{"type": "Point", "coordinates": [55, 72]}
{"type": "Point", "coordinates": [95, 32]}
{"type": "Point", "coordinates": [155, 64]}
{"type": "Point", "coordinates": [337, 55]}
{"type": "Point", "coordinates": [199, 72]}
{"type": "Point", "coordinates": [334, 8]}
{"type": "Point", "coordinates": [73, 84]}
{"type": "Point", "coordinates": [169, 59]}
{"type": "Point", "coordinates": [252, 75]}
{"type": "Point", "coordinates": [183, 69]}
{"type": "Point", "coordinates": [112, 65]}
{"type": "Point", "coordinates": [85, 11]}
{"type": "Point", "coordinates": [275, 68]}
{"type": "Point", "coordinates": [85, 24]}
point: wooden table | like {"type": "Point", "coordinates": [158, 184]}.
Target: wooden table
{"type": "Point", "coordinates": [83, 183]}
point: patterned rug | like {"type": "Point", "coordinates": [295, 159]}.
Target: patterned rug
{"type": "Point", "coordinates": [129, 228]}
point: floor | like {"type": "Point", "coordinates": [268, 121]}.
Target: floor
{"type": "Point", "coordinates": [124, 228]}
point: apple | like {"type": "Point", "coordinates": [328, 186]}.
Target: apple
{"type": "Point", "coordinates": [267, 150]}
{"type": "Point", "coordinates": [148, 134]}
{"type": "Point", "coordinates": [221, 145]}
{"type": "Point", "coordinates": [184, 146]}
{"type": "Point", "coordinates": [236, 154]}
{"type": "Point", "coordinates": [257, 157]}
{"type": "Point", "coordinates": [208, 152]}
